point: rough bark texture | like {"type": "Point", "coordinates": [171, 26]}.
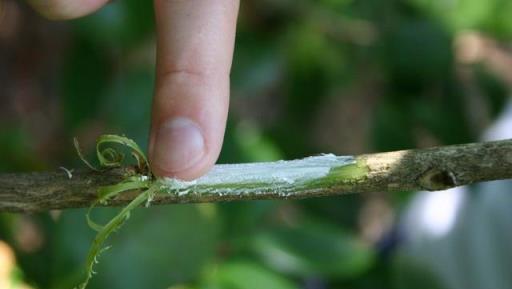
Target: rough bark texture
{"type": "Point", "coordinates": [427, 169]}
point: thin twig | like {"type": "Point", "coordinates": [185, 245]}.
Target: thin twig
{"type": "Point", "coordinates": [328, 175]}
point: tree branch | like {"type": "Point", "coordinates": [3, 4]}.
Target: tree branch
{"type": "Point", "coordinates": [326, 175]}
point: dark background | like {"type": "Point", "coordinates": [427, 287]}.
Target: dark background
{"type": "Point", "coordinates": [309, 77]}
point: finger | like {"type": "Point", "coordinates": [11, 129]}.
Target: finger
{"type": "Point", "coordinates": [66, 9]}
{"type": "Point", "coordinates": [194, 52]}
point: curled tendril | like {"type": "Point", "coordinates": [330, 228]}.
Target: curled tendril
{"type": "Point", "coordinates": [109, 158]}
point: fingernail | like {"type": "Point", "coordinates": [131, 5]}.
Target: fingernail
{"type": "Point", "coordinates": [179, 144]}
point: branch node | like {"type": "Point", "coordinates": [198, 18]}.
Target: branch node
{"type": "Point", "coordinates": [435, 179]}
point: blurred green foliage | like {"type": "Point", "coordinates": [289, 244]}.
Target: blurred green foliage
{"type": "Point", "coordinates": [293, 60]}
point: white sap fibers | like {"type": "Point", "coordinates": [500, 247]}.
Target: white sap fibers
{"type": "Point", "coordinates": [270, 173]}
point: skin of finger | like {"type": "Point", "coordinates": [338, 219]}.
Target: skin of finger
{"type": "Point", "coordinates": [66, 9]}
{"type": "Point", "coordinates": [194, 54]}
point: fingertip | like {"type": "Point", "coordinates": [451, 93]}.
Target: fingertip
{"type": "Point", "coordinates": [179, 145]}
{"type": "Point", "coordinates": [179, 149]}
